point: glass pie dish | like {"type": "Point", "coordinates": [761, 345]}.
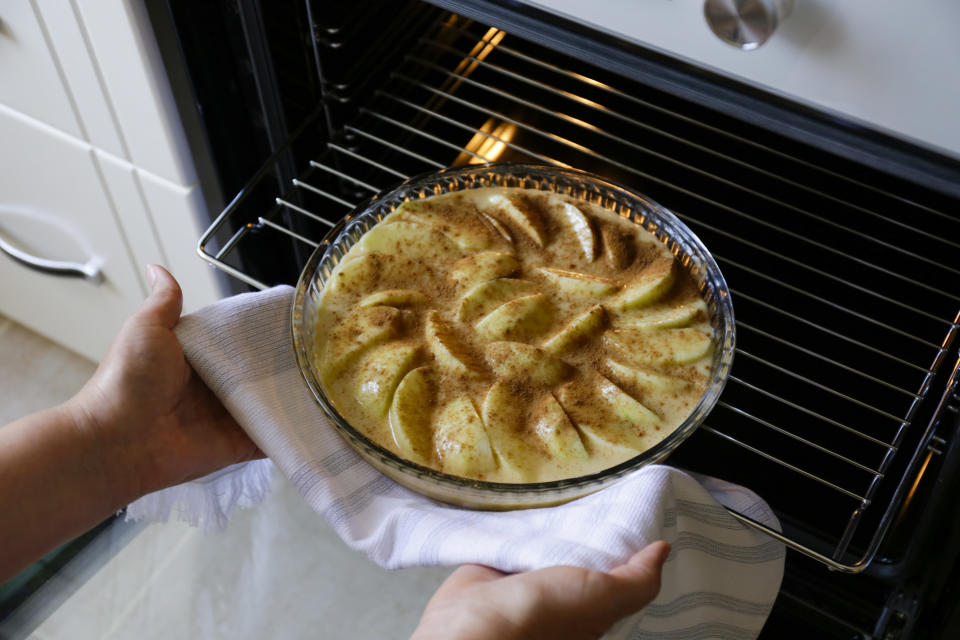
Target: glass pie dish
{"type": "Point", "coordinates": [690, 255]}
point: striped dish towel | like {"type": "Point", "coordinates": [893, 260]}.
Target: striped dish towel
{"type": "Point", "coordinates": [719, 581]}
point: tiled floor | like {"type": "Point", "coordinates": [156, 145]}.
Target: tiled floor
{"type": "Point", "coordinates": [277, 572]}
{"type": "Point", "coordinates": [34, 372]}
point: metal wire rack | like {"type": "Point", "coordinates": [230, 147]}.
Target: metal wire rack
{"type": "Point", "coordinates": [844, 286]}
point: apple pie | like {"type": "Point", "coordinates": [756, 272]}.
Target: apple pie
{"type": "Point", "coordinates": [512, 335]}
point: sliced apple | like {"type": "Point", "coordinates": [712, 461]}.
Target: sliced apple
{"type": "Point", "coordinates": [649, 286]}
{"type": "Point", "coordinates": [472, 237]}
{"type": "Point", "coordinates": [353, 274]}
{"type": "Point", "coordinates": [525, 218]}
{"type": "Point", "coordinates": [518, 361]}
{"type": "Point", "coordinates": [606, 427]}
{"type": "Point", "coordinates": [643, 378]}
{"type": "Point", "coordinates": [575, 220]}
{"type": "Point", "coordinates": [503, 417]}
{"type": "Point", "coordinates": [661, 316]}
{"type": "Point", "coordinates": [381, 372]}
{"type": "Point", "coordinates": [626, 406]}
{"type": "Point", "coordinates": [497, 226]}
{"type": "Point", "coordinates": [554, 429]}
{"type": "Point", "coordinates": [466, 230]}
{"type": "Point", "coordinates": [582, 285]}
{"type": "Point", "coordinates": [481, 299]}
{"type": "Point", "coordinates": [408, 239]}
{"type": "Point", "coordinates": [410, 413]}
{"type": "Point", "coordinates": [450, 354]}
{"type": "Point", "coordinates": [394, 298]}
{"type": "Point", "coordinates": [619, 247]}
{"type": "Point", "coordinates": [361, 273]}
{"type": "Point", "coordinates": [483, 266]}
{"type": "Point", "coordinates": [356, 334]}
{"type": "Point", "coordinates": [581, 328]}
{"type": "Point", "coordinates": [659, 346]}
{"type": "Point", "coordinates": [520, 319]}
{"type": "Point", "coordinates": [461, 441]}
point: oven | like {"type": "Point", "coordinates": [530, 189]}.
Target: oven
{"type": "Point", "coordinates": [838, 236]}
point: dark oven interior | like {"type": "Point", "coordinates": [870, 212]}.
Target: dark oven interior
{"type": "Point", "coordinates": [841, 409]}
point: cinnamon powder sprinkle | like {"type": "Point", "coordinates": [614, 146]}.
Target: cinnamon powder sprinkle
{"type": "Point", "coordinates": [615, 404]}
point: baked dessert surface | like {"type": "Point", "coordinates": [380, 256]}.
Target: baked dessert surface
{"type": "Point", "coordinates": [512, 335]}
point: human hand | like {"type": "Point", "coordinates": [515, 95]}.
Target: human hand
{"type": "Point", "coordinates": [148, 414]}
{"type": "Point", "coordinates": [480, 603]}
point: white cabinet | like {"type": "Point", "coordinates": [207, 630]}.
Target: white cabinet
{"type": "Point", "coordinates": [53, 205]}
{"type": "Point", "coordinates": [30, 78]}
{"type": "Point", "coordinates": [94, 166]}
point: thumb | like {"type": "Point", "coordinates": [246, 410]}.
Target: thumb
{"type": "Point", "coordinates": [640, 577]}
{"type": "Point", "coordinates": [589, 601]}
{"type": "Point", "coordinates": [165, 301]}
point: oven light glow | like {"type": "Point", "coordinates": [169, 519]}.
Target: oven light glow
{"type": "Point", "coordinates": [590, 81]}
{"type": "Point", "coordinates": [570, 143]}
{"type": "Point", "coordinates": [916, 482]}
{"type": "Point", "coordinates": [579, 122]}
{"type": "Point", "coordinates": [586, 101]}
{"type": "Point", "coordinates": [488, 143]}
{"type": "Point", "coordinates": [480, 51]}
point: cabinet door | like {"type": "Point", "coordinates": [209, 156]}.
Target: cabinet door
{"type": "Point", "coordinates": [30, 79]}
{"type": "Point", "coordinates": [53, 205]}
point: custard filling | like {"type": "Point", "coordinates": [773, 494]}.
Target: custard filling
{"type": "Point", "coordinates": [512, 335]}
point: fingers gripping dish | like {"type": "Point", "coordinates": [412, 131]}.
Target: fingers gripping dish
{"type": "Point", "coordinates": [512, 335]}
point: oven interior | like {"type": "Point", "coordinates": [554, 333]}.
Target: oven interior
{"type": "Point", "coordinates": [841, 410]}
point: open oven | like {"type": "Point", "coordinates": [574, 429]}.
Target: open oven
{"type": "Point", "coordinates": [839, 243]}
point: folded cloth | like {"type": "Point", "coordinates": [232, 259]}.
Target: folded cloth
{"type": "Point", "coordinates": [720, 579]}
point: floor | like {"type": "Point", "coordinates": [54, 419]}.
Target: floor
{"type": "Point", "coordinates": [34, 372]}
{"type": "Point", "coordinates": [278, 570]}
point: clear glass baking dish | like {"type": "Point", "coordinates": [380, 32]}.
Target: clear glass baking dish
{"type": "Point", "coordinates": [681, 241]}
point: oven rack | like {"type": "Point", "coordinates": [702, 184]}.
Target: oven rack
{"type": "Point", "coordinates": [467, 94]}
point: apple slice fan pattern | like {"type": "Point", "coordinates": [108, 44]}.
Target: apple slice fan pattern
{"type": "Point", "coordinates": [512, 336]}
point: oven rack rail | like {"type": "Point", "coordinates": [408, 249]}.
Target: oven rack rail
{"type": "Point", "coordinates": [362, 150]}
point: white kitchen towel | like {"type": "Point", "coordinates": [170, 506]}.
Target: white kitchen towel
{"type": "Point", "coordinates": [719, 581]}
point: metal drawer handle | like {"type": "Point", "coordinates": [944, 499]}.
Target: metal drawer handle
{"type": "Point", "coordinates": [89, 271]}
